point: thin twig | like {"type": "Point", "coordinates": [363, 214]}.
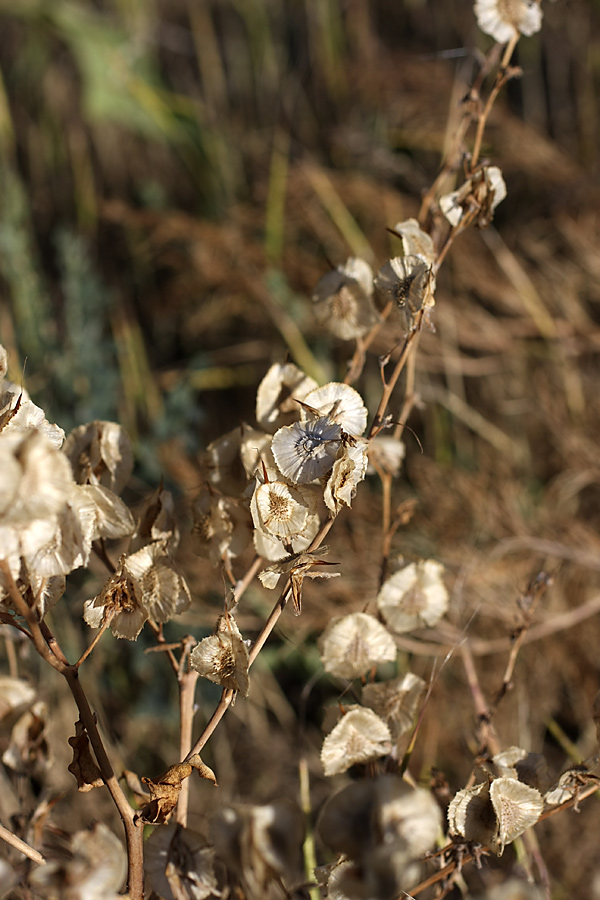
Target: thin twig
{"type": "Point", "coordinates": [10, 838]}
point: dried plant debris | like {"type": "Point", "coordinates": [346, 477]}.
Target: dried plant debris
{"type": "Point", "coordinates": [179, 865]}
{"type": "Point", "coordinates": [414, 597]}
{"type": "Point", "coordinates": [28, 751]}
{"type": "Point", "coordinates": [502, 19]}
{"type": "Point", "coordinates": [164, 794]}
{"type": "Point", "coordinates": [383, 825]}
{"type": "Point", "coordinates": [410, 283]}
{"type": "Point", "coordinates": [259, 845]}
{"type": "Point", "coordinates": [385, 454]}
{"type": "Point", "coordinates": [353, 644]}
{"type": "Point", "coordinates": [340, 403]}
{"type": "Point", "coordinates": [92, 867]}
{"type": "Point", "coordinates": [348, 470]}
{"type": "Point", "coordinates": [100, 453]}
{"type": "Point", "coordinates": [360, 736]}
{"type": "Point", "coordinates": [307, 450]}
{"type": "Point", "coordinates": [278, 395]}
{"type": "Point", "coordinates": [397, 702]}
{"type": "Point", "coordinates": [83, 767]}
{"type": "Point", "coordinates": [415, 241]}
{"type": "Point", "coordinates": [477, 198]}
{"type": "Point", "coordinates": [495, 814]}
{"type": "Point", "coordinates": [223, 657]}
{"type": "Point", "coordinates": [343, 300]}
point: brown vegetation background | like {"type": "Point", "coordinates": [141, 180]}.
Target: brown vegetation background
{"type": "Point", "coordinates": [175, 177]}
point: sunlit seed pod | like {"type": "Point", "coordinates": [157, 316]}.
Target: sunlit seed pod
{"type": "Point", "coordinates": [306, 450]}
{"type": "Point", "coordinates": [343, 300]}
{"type": "Point", "coordinates": [480, 194]}
{"type": "Point", "coordinates": [278, 394]}
{"type": "Point", "coordinates": [341, 404]}
{"type": "Point", "coordinates": [348, 471]}
{"type": "Point", "coordinates": [359, 736]}
{"type": "Point", "coordinates": [517, 808]}
{"type": "Point", "coordinates": [397, 701]}
{"type": "Point", "coordinates": [355, 643]}
{"type": "Point", "coordinates": [414, 597]}
{"type": "Point", "coordinates": [471, 815]}
{"type": "Point", "coordinates": [501, 19]}
{"type": "Point", "coordinates": [409, 281]}
{"type": "Point", "coordinates": [100, 453]}
{"type": "Point", "coordinates": [415, 241]}
{"type": "Point", "coordinates": [223, 657]}
{"type": "Point", "coordinates": [385, 453]}
{"type": "Point", "coordinates": [278, 509]}
{"type": "Point", "coordinates": [181, 858]}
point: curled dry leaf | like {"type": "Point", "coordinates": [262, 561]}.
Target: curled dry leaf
{"type": "Point", "coordinates": [223, 657]}
{"type": "Point", "coordinates": [164, 794]}
{"type": "Point", "coordinates": [352, 644]}
{"type": "Point", "coordinates": [359, 736]}
{"type": "Point", "coordinates": [348, 470]}
{"type": "Point", "coordinates": [83, 766]}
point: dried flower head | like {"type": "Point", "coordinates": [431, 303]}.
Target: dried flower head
{"type": "Point", "coordinates": [100, 453]}
{"type": "Point", "coordinates": [415, 241]}
{"type": "Point", "coordinates": [223, 657]}
{"type": "Point", "coordinates": [259, 844]}
{"type": "Point", "coordinates": [118, 604]}
{"type": "Point", "coordinates": [278, 393]}
{"type": "Point", "coordinates": [28, 751]}
{"type": "Point", "coordinates": [359, 736]}
{"type": "Point", "coordinates": [477, 197]}
{"type": "Point", "coordinates": [92, 868]}
{"type": "Point", "coordinates": [222, 528]}
{"type": "Point", "coordinates": [414, 597]}
{"type": "Point", "coordinates": [280, 510]}
{"type": "Point", "coordinates": [385, 454]}
{"type": "Point", "coordinates": [352, 644]}
{"type": "Point", "coordinates": [273, 548]}
{"type": "Point", "coordinates": [221, 464]}
{"type": "Point", "coordinates": [18, 413]}
{"type": "Point", "coordinates": [340, 403]}
{"type": "Point", "coordinates": [179, 863]}
{"type": "Point", "coordinates": [410, 282]}
{"type": "Point", "coordinates": [517, 807]}
{"type": "Point", "coordinates": [343, 300]}
{"type": "Point", "coordinates": [298, 566]}
{"type": "Point", "coordinates": [348, 470]}
{"type": "Point", "coordinates": [471, 815]}
{"type": "Point", "coordinates": [397, 702]}
{"type": "Point", "coordinates": [307, 450]}
{"type": "Point", "coordinates": [502, 18]}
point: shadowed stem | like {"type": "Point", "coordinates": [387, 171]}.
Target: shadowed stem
{"type": "Point", "coordinates": [48, 648]}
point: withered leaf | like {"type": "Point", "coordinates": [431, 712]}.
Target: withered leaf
{"type": "Point", "coordinates": [164, 793]}
{"type": "Point", "coordinates": [203, 770]}
{"type": "Point", "coordinates": [84, 767]}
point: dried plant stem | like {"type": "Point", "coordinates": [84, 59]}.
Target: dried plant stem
{"type": "Point", "coordinates": [9, 838]}
{"type": "Point", "coordinates": [389, 386]}
{"type": "Point", "coordinates": [48, 648]}
{"type": "Point", "coordinates": [504, 75]}
{"type": "Point", "coordinates": [187, 692]}
{"type": "Point", "coordinates": [228, 695]}
{"type": "Point", "coordinates": [488, 739]}
{"type": "Point", "coordinates": [453, 866]}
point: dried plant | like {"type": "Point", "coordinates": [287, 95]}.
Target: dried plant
{"type": "Point", "coordinates": [278, 487]}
